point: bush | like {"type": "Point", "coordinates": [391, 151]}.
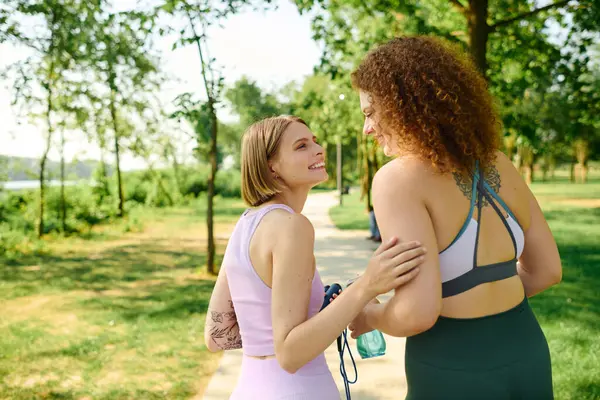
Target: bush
{"type": "Point", "coordinates": [194, 181]}
{"type": "Point", "coordinates": [88, 205]}
{"type": "Point", "coordinates": [229, 183]}
{"type": "Point", "coordinates": [10, 239]}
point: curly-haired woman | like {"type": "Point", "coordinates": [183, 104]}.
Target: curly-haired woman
{"type": "Point", "coordinates": [471, 333]}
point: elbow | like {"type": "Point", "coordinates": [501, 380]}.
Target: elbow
{"type": "Point", "coordinates": [556, 275]}
{"type": "Point", "coordinates": [421, 324]}
{"type": "Point", "coordinates": [424, 323]}
{"type": "Point", "coordinates": [287, 363]}
{"type": "Point", "coordinates": [210, 344]}
{"type": "Point", "coordinates": [418, 322]}
{"type": "Point", "coordinates": [552, 275]}
{"type": "Point", "coordinates": [425, 318]}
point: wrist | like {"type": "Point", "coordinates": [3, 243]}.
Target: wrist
{"type": "Point", "coordinates": [363, 291]}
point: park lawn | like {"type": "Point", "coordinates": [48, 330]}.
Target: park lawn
{"type": "Point", "coordinates": [114, 316]}
{"type": "Point", "coordinates": [570, 312]}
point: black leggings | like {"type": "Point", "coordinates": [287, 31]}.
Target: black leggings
{"type": "Point", "coordinates": [498, 357]}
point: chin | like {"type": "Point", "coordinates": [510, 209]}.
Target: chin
{"type": "Point", "coordinates": [322, 179]}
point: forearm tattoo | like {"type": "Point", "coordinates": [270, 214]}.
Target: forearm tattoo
{"type": "Point", "coordinates": [465, 184]}
{"type": "Point", "coordinates": [224, 329]}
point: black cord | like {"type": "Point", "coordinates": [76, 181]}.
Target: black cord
{"type": "Point", "coordinates": [341, 349]}
{"type": "Point", "coordinates": [342, 346]}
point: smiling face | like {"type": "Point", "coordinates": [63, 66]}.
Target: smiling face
{"type": "Point", "coordinates": [372, 126]}
{"type": "Point", "coordinates": [300, 160]}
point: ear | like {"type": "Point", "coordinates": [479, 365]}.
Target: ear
{"type": "Point", "coordinates": [273, 169]}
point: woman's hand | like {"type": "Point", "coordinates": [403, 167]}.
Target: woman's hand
{"type": "Point", "coordinates": [333, 297]}
{"type": "Point", "coordinates": [393, 265]}
{"type": "Point", "coordinates": [359, 326]}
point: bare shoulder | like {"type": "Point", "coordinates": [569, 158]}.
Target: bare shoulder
{"type": "Point", "coordinates": [289, 226]}
{"type": "Point", "coordinates": [504, 163]}
{"type": "Point", "coordinates": [402, 176]}
{"type": "Point", "coordinates": [510, 177]}
{"type": "Point", "coordinates": [513, 189]}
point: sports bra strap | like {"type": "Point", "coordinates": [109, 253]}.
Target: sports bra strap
{"type": "Point", "coordinates": [483, 191]}
{"type": "Point", "coordinates": [510, 232]}
{"type": "Point", "coordinates": [480, 179]}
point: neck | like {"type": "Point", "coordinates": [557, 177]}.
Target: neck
{"type": "Point", "coordinates": [295, 198]}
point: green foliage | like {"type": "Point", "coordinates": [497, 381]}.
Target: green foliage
{"type": "Point", "coordinates": [251, 103]}
{"type": "Point", "coordinates": [228, 184]}
{"type": "Point", "coordinates": [91, 205]}
{"type": "Point", "coordinates": [526, 63]}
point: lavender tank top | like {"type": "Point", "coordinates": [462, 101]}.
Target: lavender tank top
{"type": "Point", "coordinates": [251, 296]}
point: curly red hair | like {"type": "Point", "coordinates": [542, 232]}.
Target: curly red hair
{"type": "Point", "coordinates": [429, 95]}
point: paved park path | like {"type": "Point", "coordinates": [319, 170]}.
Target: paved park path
{"type": "Point", "coordinates": [340, 255]}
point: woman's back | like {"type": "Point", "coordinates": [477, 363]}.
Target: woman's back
{"type": "Point", "coordinates": [486, 342]}
{"type": "Point", "coordinates": [451, 201]}
{"type": "Point", "coordinates": [467, 318]}
{"type": "Point", "coordinates": [250, 281]}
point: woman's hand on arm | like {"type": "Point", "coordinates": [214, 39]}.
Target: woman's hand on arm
{"type": "Point", "coordinates": [221, 329]}
{"type": "Point", "coordinates": [401, 212]}
{"type": "Point", "coordinates": [297, 338]}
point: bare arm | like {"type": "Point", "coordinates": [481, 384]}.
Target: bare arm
{"type": "Point", "coordinates": [221, 330]}
{"type": "Point", "coordinates": [401, 212]}
{"type": "Point", "coordinates": [297, 338]}
{"type": "Point", "coordinates": [539, 266]}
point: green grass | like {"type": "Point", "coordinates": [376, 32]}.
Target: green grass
{"type": "Point", "coordinates": [114, 316]}
{"type": "Point", "coordinates": [352, 214]}
{"type": "Point", "coordinates": [570, 312]}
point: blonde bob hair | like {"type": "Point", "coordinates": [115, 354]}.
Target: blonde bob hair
{"type": "Point", "coordinates": [260, 143]}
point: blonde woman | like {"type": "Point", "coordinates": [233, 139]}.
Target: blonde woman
{"type": "Point", "coordinates": [268, 294]}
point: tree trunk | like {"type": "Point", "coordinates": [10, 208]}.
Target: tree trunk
{"type": "Point", "coordinates": [510, 145]}
{"type": "Point", "coordinates": [105, 188]}
{"type": "Point", "coordinates": [63, 201]}
{"type": "Point", "coordinates": [552, 167]}
{"type": "Point", "coordinates": [479, 31]}
{"type": "Point", "coordinates": [572, 172]}
{"type": "Point", "coordinates": [359, 140]}
{"type": "Point", "coordinates": [210, 262]}
{"type": "Point", "coordinates": [45, 156]}
{"type": "Point", "coordinates": [367, 180]}
{"type": "Point", "coordinates": [339, 179]}
{"type": "Point", "coordinates": [581, 147]}
{"type": "Point", "coordinates": [176, 172]}
{"type": "Point", "coordinates": [49, 109]}
{"type": "Point", "coordinates": [113, 114]}
{"type": "Point", "coordinates": [584, 172]}
{"type": "Point", "coordinates": [41, 177]}
{"type": "Point", "coordinates": [546, 165]}
{"type": "Point", "coordinates": [528, 170]}
{"type": "Point", "coordinates": [375, 158]}
{"type": "Point", "coordinates": [544, 173]}
{"type": "Point", "coordinates": [209, 87]}
{"type": "Point", "coordinates": [159, 182]}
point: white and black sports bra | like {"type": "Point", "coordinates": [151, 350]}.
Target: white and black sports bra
{"type": "Point", "coordinates": [458, 261]}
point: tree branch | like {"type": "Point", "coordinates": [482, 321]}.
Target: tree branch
{"type": "Point", "coordinates": [519, 17]}
{"type": "Point", "coordinates": [460, 6]}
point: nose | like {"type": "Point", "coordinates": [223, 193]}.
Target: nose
{"type": "Point", "coordinates": [368, 128]}
{"type": "Point", "coordinates": [319, 149]}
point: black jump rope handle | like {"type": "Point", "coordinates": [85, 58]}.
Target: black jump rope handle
{"type": "Point", "coordinates": [329, 292]}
